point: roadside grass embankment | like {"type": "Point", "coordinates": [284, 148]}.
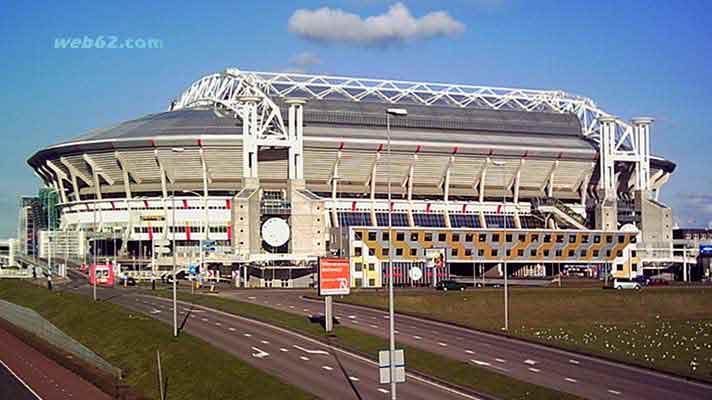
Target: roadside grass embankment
{"type": "Point", "coordinates": [129, 340]}
{"type": "Point", "coordinates": [668, 329]}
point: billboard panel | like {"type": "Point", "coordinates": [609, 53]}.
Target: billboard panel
{"type": "Point", "coordinates": [334, 276]}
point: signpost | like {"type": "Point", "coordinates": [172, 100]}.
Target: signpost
{"type": "Point", "coordinates": [334, 280]}
{"type": "Point", "coordinates": [161, 246]}
{"type": "Point", "coordinates": [706, 249]}
{"type": "Point", "coordinates": [384, 366]}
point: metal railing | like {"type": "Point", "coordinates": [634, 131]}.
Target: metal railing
{"type": "Point", "coordinates": [34, 323]}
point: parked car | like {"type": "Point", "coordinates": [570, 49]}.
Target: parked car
{"type": "Point", "coordinates": [450, 285]}
{"type": "Point", "coordinates": [620, 284]}
{"type": "Point", "coordinates": [127, 280]}
{"type": "Point", "coordinates": [658, 282]}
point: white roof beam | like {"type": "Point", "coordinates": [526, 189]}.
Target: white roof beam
{"type": "Point", "coordinates": [548, 186]}
{"type": "Point", "coordinates": [98, 170]}
{"type": "Point", "coordinates": [125, 173]}
{"type": "Point", "coordinates": [126, 165]}
{"type": "Point", "coordinates": [60, 176]}
{"type": "Point", "coordinates": [479, 182]}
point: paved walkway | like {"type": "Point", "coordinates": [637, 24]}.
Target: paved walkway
{"type": "Point", "coordinates": [25, 373]}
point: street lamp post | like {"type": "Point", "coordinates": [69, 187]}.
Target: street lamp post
{"type": "Point", "coordinates": [391, 314]}
{"type": "Point", "coordinates": [93, 250]}
{"type": "Point", "coordinates": [173, 236]}
{"type": "Point", "coordinates": [503, 248]}
{"type": "Point", "coordinates": [205, 227]}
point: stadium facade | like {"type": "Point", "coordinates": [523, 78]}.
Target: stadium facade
{"type": "Point", "coordinates": [273, 170]}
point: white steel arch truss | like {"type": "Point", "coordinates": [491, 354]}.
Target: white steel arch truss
{"type": "Point", "coordinates": [226, 88]}
{"type": "Point", "coordinates": [234, 91]}
{"type": "Point", "coordinates": [627, 143]}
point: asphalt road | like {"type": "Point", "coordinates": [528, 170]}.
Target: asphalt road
{"type": "Point", "coordinates": [326, 372]}
{"type": "Point", "coordinates": [585, 376]}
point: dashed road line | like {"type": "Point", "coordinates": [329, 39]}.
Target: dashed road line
{"type": "Point", "coordinates": [442, 344]}
{"type": "Point", "coordinates": [303, 358]}
{"type": "Point", "coordinates": [326, 367]}
{"type": "Point", "coordinates": [353, 378]}
{"type": "Point", "coordinates": [535, 370]}
{"type": "Point", "coordinates": [500, 360]}
{"type": "Point", "coordinates": [572, 380]}
{"type": "Point", "coordinates": [469, 352]}
{"type": "Point", "coordinates": [575, 362]}
{"type": "Point", "coordinates": [416, 337]}
{"type": "Point", "coordinates": [530, 362]}
{"type": "Point", "coordinates": [382, 390]}
{"type": "Point", "coordinates": [615, 392]}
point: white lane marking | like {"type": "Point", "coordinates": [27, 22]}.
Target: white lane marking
{"type": "Point", "coordinates": [246, 335]}
{"type": "Point", "coordinates": [305, 309]}
{"type": "Point", "coordinates": [264, 341]}
{"type": "Point", "coordinates": [534, 370]}
{"type": "Point", "coordinates": [469, 352]}
{"type": "Point", "coordinates": [352, 317]}
{"type": "Point", "coordinates": [218, 324]}
{"type": "Point", "coordinates": [326, 367]}
{"type": "Point", "coordinates": [251, 297]}
{"type": "Point", "coordinates": [231, 329]}
{"type": "Point", "coordinates": [572, 380]}
{"type": "Point", "coordinates": [204, 319]}
{"type": "Point", "coordinates": [20, 380]}
{"type": "Point", "coordinates": [304, 358]}
{"type": "Point", "coordinates": [396, 331]}
{"type": "Point", "coordinates": [310, 351]}
{"type": "Point", "coordinates": [291, 307]}
{"type": "Point", "coordinates": [335, 349]}
{"type": "Point", "coordinates": [374, 326]}
{"type": "Point", "coordinates": [155, 311]}
{"type": "Point", "coordinates": [279, 304]}
{"type": "Point", "coordinates": [353, 378]}
{"type": "Point", "coordinates": [575, 362]}
{"type": "Point", "coordinates": [283, 350]}
{"type": "Point", "coordinates": [611, 391]}
{"type": "Point", "coordinates": [482, 363]}
{"type": "Point", "coordinates": [354, 321]}
{"type": "Point", "coordinates": [382, 390]}
{"type": "Point", "coordinates": [416, 337]}
{"type": "Point", "coordinates": [259, 353]}
{"type": "Point", "coordinates": [442, 344]}
{"type": "Point", "coordinates": [530, 362]}
{"type": "Point", "coordinates": [500, 360]}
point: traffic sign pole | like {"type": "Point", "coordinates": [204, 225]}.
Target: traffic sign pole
{"type": "Point", "coordinates": [328, 313]}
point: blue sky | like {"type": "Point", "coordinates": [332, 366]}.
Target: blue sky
{"type": "Point", "coordinates": [633, 58]}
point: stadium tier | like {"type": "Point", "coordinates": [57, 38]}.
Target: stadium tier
{"type": "Point", "coordinates": [259, 174]}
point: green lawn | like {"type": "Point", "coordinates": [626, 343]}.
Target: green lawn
{"type": "Point", "coordinates": [194, 369]}
{"type": "Point", "coordinates": [663, 328]}
{"type": "Point", "coordinates": [457, 372]}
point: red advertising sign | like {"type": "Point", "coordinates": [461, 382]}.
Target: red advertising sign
{"type": "Point", "coordinates": [334, 276]}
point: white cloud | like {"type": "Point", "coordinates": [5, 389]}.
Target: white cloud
{"type": "Point", "coordinates": [330, 25]}
{"type": "Point", "coordinates": [305, 59]}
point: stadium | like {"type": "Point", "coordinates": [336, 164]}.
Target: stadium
{"type": "Point", "coordinates": [259, 174]}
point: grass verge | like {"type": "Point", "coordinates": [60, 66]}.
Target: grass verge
{"type": "Point", "coordinates": [456, 372]}
{"type": "Point", "coordinates": [193, 368]}
{"type": "Point", "coordinates": [668, 329]}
